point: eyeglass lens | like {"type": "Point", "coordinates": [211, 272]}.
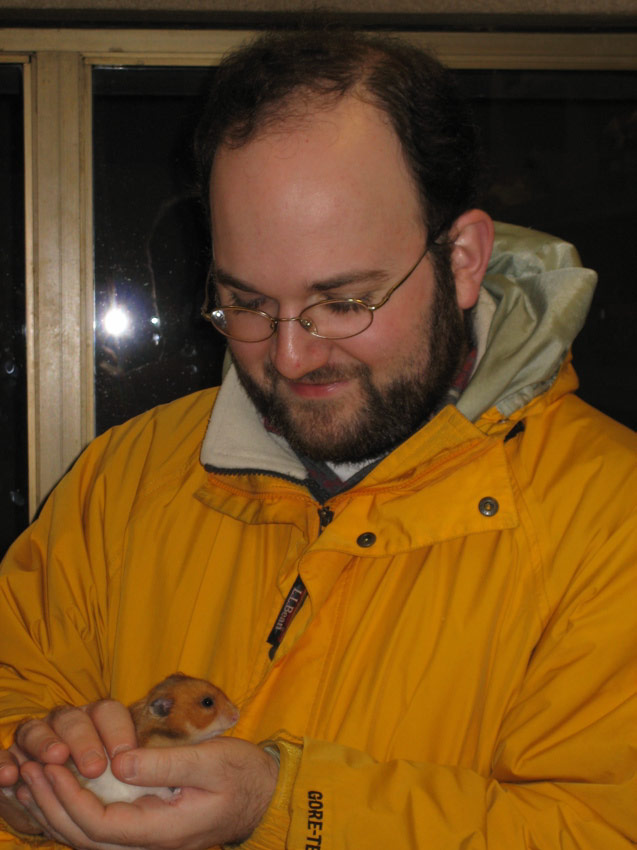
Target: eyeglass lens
{"type": "Point", "coordinates": [328, 319]}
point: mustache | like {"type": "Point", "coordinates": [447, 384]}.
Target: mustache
{"type": "Point", "coordinates": [322, 375]}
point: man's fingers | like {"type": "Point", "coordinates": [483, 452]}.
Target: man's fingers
{"type": "Point", "coordinates": [147, 821]}
{"type": "Point", "coordinates": [80, 733]}
{"type": "Point", "coordinates": [114, 724]}
{"type": "Point", "coordinates": [37, 783]}
{"type": "Point", "coordinates": [8, 769]}
{"type": "Point", "coordinates": [50, 812]}
{"type": "Point", "coordinates": [14, 813]}
{"type": "Point", "coordinates": [11, 809]}
{"type": "Point", "coordinates": [75, 727]}
{"type": "Point", "coordinates": [38, 741]}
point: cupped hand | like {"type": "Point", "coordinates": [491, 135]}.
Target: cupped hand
{"type": "Point", "coordinates": [83, 733]}
{"type": "Point", "coordinates": [226, 786]}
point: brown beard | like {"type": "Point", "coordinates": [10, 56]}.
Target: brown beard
{"type": "Point", "coordinates": [388, 415]}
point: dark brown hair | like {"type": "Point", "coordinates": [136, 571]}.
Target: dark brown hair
{"type": "Point", "coordinates": [260, 83]}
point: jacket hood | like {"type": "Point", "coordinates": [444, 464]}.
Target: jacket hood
{"type": "Point", "coordinates": [533, 302]}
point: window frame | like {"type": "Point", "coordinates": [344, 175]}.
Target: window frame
{"type": "Point", "coordinates": [57, 65]}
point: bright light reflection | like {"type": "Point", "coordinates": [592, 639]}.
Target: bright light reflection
{"type": "Point", "coordinates": [116, 321]}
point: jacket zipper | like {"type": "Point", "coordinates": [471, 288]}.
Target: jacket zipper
{"type": "Point", "coordinates": [296, 596]}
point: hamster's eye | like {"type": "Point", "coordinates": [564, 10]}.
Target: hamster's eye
{"type": "Point", "coordinates": [207, 702]}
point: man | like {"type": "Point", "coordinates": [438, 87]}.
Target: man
{"type": "Point", "coordinates": [400, 544]}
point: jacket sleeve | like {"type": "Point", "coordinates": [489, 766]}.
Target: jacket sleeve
{"type": "Point", "coordinates": [563, 771]}
{"type": "Point", "coordinates": [53, 591]}
{"type": "Point", "coordinates": [59, 583]}
{"type": "Point", "coordinates": [52, 623]}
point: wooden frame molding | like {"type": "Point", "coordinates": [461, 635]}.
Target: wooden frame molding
{"type": "Point", "coordinates": [57, 123]}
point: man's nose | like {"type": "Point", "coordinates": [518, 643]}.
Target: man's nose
{"type": "Point", "coordinates": [295, 352]}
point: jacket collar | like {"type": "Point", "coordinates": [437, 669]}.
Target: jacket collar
{"type": "Point", "coordinates": [236, 440]}
{"type": "Point", "coordinates": [237, 443]}
{"type": "Point", "coordinates": [430, 488]}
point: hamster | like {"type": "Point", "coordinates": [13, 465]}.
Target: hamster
{"type": "Point", "coordinates": [179, 710]}
{"type": "Point", "coordinates": [182, 710]}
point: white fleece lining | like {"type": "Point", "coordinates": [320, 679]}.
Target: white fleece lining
{"type": "Point", "coordinates": [236, 439]}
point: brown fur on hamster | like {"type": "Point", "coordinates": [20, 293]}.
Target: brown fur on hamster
{"type": "Point", "coordinates": [182, 710]}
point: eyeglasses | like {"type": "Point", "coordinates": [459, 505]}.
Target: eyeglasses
{"type": "Point", "coordinates": [334, 318]}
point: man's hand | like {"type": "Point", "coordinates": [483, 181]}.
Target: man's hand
{"type": "Point", "coordinates": [226, 786]}
{"type": "Point", "coordinates": [81, 733]}
{"type": "Point", "coordinates": [11, 810]}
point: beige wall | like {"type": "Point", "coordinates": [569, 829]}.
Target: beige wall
{"type": "Point", "coordinates": [612, 10]}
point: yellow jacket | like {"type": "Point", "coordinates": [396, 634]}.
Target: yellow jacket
{"type": "Point", "coordinates": [462, 672]}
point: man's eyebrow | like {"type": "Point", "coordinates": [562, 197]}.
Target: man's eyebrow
{"type": "Point", "coordinates": [347, 279]}
{"type": "Point", "coordinates": [327, 285]}
{"type": "Point", "coordinates": [227, 279]}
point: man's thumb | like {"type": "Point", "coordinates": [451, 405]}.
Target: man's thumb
{"type": "Point", "coordinates": [170, 766]}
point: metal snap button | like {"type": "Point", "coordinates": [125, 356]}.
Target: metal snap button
{"type": "Point", "coordinates": [488, 506]}
{"type": "Point", "coordinates": [366, 540]}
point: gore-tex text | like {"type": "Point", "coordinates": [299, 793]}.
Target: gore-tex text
{"type": "Point", "coordinates": [314, 820]}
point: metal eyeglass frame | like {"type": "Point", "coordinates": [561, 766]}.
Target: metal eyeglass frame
{"type": "Point", "coordinates": [306, 324]}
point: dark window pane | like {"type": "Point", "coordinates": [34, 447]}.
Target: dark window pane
{"type": "Point", "coordinates": [151, 242]}
{"type": "Point", "coordinates": [13, 409]}
{"type": "Point", "coordinates": [562, 154]}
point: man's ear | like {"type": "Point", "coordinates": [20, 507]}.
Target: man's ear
{"type": "Point", "coordinates": [472, 237]}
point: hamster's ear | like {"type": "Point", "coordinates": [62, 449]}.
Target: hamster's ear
{"type": "Point", "coordinates": [162, 706]}
{"type": "Point", "coordinates": [472, 237]}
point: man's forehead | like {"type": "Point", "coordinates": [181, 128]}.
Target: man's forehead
{"type": "Point", "coordinates": [295, 113]}
{"type": "Point", "coordinates": [330, 188]}
{"type": "Point", "coordinates": [331, 127]}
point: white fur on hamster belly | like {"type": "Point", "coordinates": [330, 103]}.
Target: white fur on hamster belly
{"type": "Point", "coordinates": [109, 789]}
